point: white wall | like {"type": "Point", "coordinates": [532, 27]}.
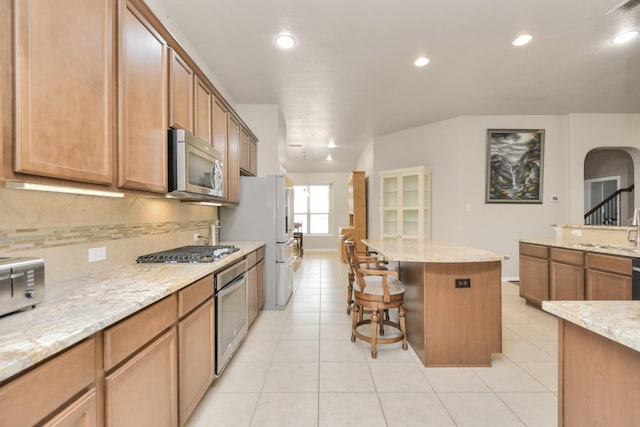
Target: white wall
{"type": "Point", "coordinates": [339, 203]}
{"type": "Point", "coordinates": [265, 122]}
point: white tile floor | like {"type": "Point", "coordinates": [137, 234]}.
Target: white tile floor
{"type": "Point", "coordinates": [299, 368]}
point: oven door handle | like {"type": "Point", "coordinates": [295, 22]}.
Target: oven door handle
{"type": "Point", "coordinates": [233, 285]}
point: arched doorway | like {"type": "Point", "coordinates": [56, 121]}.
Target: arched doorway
{"type": "Point", "coordinates": [608, 181]}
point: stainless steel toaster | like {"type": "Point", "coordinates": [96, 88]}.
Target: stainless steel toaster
{"type": "Point", "coordinates": [21, 283]}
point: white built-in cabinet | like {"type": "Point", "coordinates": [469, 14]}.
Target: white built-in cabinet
{"type": "Point", "coordinates": [405, 203]}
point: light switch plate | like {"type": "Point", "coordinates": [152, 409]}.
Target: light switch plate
{"type": "Point", "coordinates": [97, 254]}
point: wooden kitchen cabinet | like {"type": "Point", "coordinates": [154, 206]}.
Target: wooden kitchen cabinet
{"type": "Point", "coordinates": [219, 121]}
{"type": "Point", "coordinates": [41, 392]}
{"type": "Point", "coordinates": [261, 272]}
{"type": "Point", "coordinates": [202, 111]}
{"type": "Point", "coordinates": [534, 273]}
{"type": "Point", "coordinates": [357, 204]}
{"type": "Point", "coordinates": [196, 344]}
{"type": "Point", "coordinates": [566, 274]}
{"type": "Point", "coordinates": [245, 163]}
{"type": "Point", "coordinates": [140, 360]}
{"type": "Point", "coordinates": [143, 104]}
{"type": "Point", "coordinates": [144, 391]}
{"type": "Point", "coordinates": [253, 156]}
{"type": "Point", "coordinates": [232, 165]}
{"type": "Point", "coordinates": [608, 277]}
{"type": "Point", "coordinates": [181, 83]}
{"type": "Point", "coordinates": [252, 294]}
{"type": "Point", "coordinates": [65, 89]}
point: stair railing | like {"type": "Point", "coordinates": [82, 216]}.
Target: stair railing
{"type": "Point", "coordinates": [607, 212]}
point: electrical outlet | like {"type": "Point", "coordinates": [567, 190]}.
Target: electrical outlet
{"type": "Point", "coordinates": [97, 254]}
{"type": "Point", "coordinates": [463, 283]}
{"type": "Point", "coordinates": [196, 237]}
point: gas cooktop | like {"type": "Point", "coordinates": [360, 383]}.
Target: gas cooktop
{"type": "Point", "coordinates": [188, 254]}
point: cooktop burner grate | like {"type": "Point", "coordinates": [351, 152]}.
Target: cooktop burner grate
{"type": "Point", "coordinates": [188, 254]}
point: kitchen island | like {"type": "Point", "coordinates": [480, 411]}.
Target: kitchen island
{"type": "Point", "coordinates": [452, 299]}
{"type": "Point", "coordinates": [598, 362]}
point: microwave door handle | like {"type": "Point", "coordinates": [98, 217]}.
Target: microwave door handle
{"type": "Point", "coordinates": [212, 177]}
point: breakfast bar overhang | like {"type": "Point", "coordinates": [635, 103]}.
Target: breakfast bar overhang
{"type": "Point", "coordinates": [452, 299]}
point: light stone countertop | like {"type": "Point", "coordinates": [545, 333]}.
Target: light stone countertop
{"type": "Point", "coordinates": [75, 309]}
{"type": "Point", "coordinates": [419, 250]}
{"type": "Point", "coordinates": [617, 320]}
{"type": "Point", "coordinates": [580, 245]}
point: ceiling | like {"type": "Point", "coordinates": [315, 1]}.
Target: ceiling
{"type": "Point", "coordinates": [351, 76]}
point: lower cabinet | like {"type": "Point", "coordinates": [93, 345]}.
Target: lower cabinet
{"type": "Point", "coordinates": [566, 274]}
{"type": "Point", "coordinates": [43, 392]}
{"type": "Point", "coordinates": [144, 391]}
{"type": "Point", "coordinates": [261, 272]}
{"type": "Point", "coordinates": [608, 277]}
{"type": "Point", "coordinates": [252, 294]}
{"type": "Point", "coordinates": [534, 273]}
{"type": "Point", "coordinates": [82, 412]}
{"type": "Point", "coordinates": [197, 357]}
{"type": "Point", "coordinates": [256, 283]}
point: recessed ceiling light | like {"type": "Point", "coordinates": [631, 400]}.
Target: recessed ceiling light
{"type": "Point", "coordinates": [421, 61]}
{"type": "Point", "coordinates": [625, 37]}
{"type": "Point", "coordinates": [332, 143]}
{"type": "Point", "coordinates": [329, 157]}
{"type": "Point", "coordinates": [522, 40]}
{"type": "Point", "coordinates": [285, 41]}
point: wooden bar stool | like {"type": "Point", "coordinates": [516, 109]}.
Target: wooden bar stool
{"type": "Point", "coordinates": [367, 262]}
{"type": "Point", "coordinates": [378, 291]}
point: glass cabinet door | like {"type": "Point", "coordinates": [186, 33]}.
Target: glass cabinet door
{"type": "Point", "coordinates": [405, 199]}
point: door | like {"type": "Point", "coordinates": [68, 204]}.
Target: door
{"type": "Point", "coordinates": [598, 189]}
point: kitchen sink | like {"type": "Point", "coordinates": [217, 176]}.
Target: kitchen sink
{"type": "Point", "coordinates": [613, 247]}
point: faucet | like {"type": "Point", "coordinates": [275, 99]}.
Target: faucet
{"type": "Point", "coordinates": [635, 221]}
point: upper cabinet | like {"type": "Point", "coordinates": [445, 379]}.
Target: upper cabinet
{"type": "Point", "coordinates": [248, 153]}
{"type": "Point", "coordinates": [203, 116]}
{"type": "Point", "coordinates": [405, 196]}
{"type": "Point", "coordinates": [180, 93]}
{"type": "Point", "coordinates": [232, 165]}
{"type": "Point", "coordinates": [65, 89]}
{"type": "Point", "coordinates": [97, 86]}
{"type": "Point", "coordinates": [143, 106]}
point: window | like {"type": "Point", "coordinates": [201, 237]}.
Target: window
{"type": "Point", "coordinates": [312, 207]}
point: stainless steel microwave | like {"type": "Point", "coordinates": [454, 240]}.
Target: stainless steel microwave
{"type": "Point", "coordinates": [196, 170]}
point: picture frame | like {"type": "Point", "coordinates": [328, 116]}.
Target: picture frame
{"type": "Point", "coordinates": [514, 165]}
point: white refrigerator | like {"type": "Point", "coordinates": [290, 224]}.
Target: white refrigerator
{"type": "Point", "coordinates": [265, 213]}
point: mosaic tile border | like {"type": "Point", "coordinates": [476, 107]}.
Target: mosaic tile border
{"type": "Point", "coordinates": [21, 239]}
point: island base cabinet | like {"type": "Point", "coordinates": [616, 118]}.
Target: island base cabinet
{"type": "Point", "coordinates": [450, 326]}
{"type": "Point", "coordinates": [598, 380]}
{"type": "Point", "coordinates": [143, 392]}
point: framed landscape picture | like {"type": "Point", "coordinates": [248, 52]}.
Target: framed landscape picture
{"type": "Point", "coordinates": [514, 165]}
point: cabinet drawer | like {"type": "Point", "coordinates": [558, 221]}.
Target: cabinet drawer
{"type": "Point", "coordinates": [252, 258]}
{"type": "Point", "coordinates": [123, 339]}
{"type": "Point", "coordinates": [537, 251]}
{"type": "Point", "coordinates": [567, 256]}
{"type": "Point", "coordinates": [38, 393]}
{"type": "Point", "coordinates": [614, 264]}
{"type": "Point", "coordinates": [194, 295]}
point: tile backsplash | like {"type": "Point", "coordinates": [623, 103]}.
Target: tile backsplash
{"type": "Point", "coordinates": [61, 228]}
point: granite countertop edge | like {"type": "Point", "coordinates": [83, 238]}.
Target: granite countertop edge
{"type": "Point", "coordinates": [580, 245]}
{"type": "Point", "coordinates": [77, 308]}
{"type": "Point", "coordinates": [430, 251]}
{"type": "Point", "coordinates": [618, 321]}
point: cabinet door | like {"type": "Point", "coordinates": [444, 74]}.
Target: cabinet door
{"type": "Point", "coordinates": [245, 162]}
{"type": "Point", "coordinates": [196, 345]}
{"type": "Point", "coordinates": [220, 128]}
{"type": "Point", "coordinates": [143, 392]}
{"type": "Point", "coordinates": [253, 156]}
{"type": "Point", "coordinates": [65, 89]}
{"type": "Point", "coordinates": [534, 279]}
{"type": "Point", "coordinates": [202, 111]}
{"type": "Point", "coordinates": [566, 281]}
{"type": "Point", "coordinates": [233, 160]}
{"type": "Point", "coordinates": [142, 84]}
{"type": "Point", "coordinates": [607, 286]}
{"type": "Point", "coordinates": [261, 274]}
{"type": "Point", "coordinates": [81, 412]}
{"type": "Point", "coordinates": [252, 294]}
{"type": "Point", "coordinates": [180, 93]}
